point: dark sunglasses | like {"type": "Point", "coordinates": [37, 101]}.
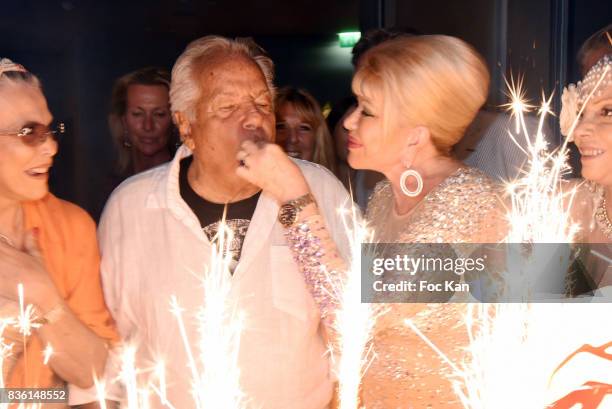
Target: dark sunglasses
{"type": "Point", "coordinates": [37, 134]}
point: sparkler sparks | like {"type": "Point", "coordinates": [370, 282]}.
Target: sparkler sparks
{"type": "Point", "coordinates": [26, 321]}
{"type": "Point", "coordinates": [47, 352]}
{"type": "Point", "coordinates": [518, 347]}
{"type": "Point", "coordinates": [5, 352]}
{"type": "Point", "coordinates": [355, 321]}
{"type": "Point", "coordinates": [510, 338]}
{"type": "Point", "coordinates": [540, 203]}
{"type": "Point", "coordinates": [213, 358]}
{"type": "Point", "coordinates": [518, 104]}
{"type": "Point", "coordinates": [506, 340]}
{"type": "Point", "coordinates": [100, 387]}
{"type": "Point", "coordinates": [219, 326]}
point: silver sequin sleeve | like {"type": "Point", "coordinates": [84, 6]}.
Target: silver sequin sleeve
{"type": "Point", "coordinates": [318, 260]}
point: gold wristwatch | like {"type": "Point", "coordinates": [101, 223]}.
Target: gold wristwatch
{"type": "Point", "coordinates": [288, 213]}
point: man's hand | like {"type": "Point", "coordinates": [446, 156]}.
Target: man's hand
{"type": "Point", "coordinates": [267, 166]}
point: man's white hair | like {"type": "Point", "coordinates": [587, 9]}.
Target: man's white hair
{"type": "Point", "coordinates": [186, 88]}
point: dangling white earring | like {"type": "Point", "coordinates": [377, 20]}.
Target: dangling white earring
{"type": "Point", "coordinates": [405, 175]}
{"type": "Point", "coordinates": [126, 140]}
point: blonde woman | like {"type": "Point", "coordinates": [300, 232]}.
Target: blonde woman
{"type": "Point", "coordinates": [416, 96]}
{"type": "Point", "coordinates": [301, 128]}
{"type": "Point", "coordinates": [140, 121]}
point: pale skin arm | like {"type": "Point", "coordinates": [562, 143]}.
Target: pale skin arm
{"type": "Point", "coordinates": [78, 351]}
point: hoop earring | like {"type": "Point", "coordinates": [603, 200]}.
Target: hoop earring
{"type": "Point", "coordinates": [405, 175]}
{"type": "Point", "coordinates": [126, 140]}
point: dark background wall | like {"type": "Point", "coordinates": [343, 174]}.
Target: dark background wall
{"type": "Point", "coordinates": [78, 48]}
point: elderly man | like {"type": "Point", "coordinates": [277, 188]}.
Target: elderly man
{"type": "Point", "coordinates": [158, 229]}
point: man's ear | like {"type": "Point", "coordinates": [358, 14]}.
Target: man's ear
{"type": "Point", "coordinates": [184, 128]}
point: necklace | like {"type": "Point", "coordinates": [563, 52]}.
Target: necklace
{"type": "Point", "coordinates": [6, 240]}
{"type": "Point", "coordinates": [601, 215]}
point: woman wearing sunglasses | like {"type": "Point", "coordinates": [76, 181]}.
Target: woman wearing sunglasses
{"type": "Point", "coordinates": [48, 248]}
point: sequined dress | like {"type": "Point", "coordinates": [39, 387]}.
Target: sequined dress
{"type": "Point", "coordinates": [407, 373]}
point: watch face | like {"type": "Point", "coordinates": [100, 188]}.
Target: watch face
{"type": "Point", "coordinates": [287, 215]}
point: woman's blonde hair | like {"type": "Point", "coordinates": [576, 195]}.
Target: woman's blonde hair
{"type": "Point", "coordinates": [143, 76]}
{"type": "Point", "coordinates": [309, 109]}
{"type": "Point", "coordinates": [435, 81]}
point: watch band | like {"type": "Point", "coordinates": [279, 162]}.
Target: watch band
{"type": "Point", "coordinates": [289, 211]}
{"type": "Point", "coordinates": [302, 201]}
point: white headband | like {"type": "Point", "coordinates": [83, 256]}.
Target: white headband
{"type": "Point", "coordinates": [7, 65]}
{"type": "Point", "coordinates": [575, 96]}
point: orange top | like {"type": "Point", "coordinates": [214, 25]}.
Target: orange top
{"type": "Point", "coordinates": [67, 239]}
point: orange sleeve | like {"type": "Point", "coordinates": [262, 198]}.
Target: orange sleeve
{"type": "Point", "coordinates": [84, 296]}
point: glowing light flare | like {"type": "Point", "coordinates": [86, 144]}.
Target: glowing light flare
{"type": "Point", "coordinates": [518, 104]}
{"type": "Point", "coordinates": [354, 320]}
{"type": "Point", "coordinates": [525, 348]}
{"type": "Point", "coordinates": [25, 323]}
{"type": "Point", "coordinates": [161, 389]}
{"type": "Point", "coordinates": [521, 348]}
{"type": "Point", "coordinates": [433, 346]}
{"type": "Point", "coordinates": [26, 319]}
{"type": "Point", "coordinates": [5, 352]}
{"type": "Point", "coordinates": [129, 378]}
{"type": "Point", "coordinates": [539, 203]}
{"type": "Point", "coordinates": [215, 371]}
{"type": "Point", "coordinates": [100, 387]}
{"type": "Point", "coordinates": [220, 327]}
{"type": "Point", "coordinates": [47, 352]}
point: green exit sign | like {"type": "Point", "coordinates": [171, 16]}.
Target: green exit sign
{"type": "Point", "coordinates": [349, 38]}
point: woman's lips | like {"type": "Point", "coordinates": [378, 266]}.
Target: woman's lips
{"type": "Point", "coordinates": [39, 172]}
{"type": "Point", "coordinates": [353, 143]}
{"type": "Point", "coordinates": [149, 140]}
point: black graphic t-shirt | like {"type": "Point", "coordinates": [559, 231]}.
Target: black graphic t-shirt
{"type": "Point", "coordinates": [238, 217]}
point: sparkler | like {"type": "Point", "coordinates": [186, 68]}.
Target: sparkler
{"type": "Point", "coordinates": [510, 338]}
{"type": "Point", "coordinates": [48, 351]}
{"type": "Point", "coordinates": [354, 321]}
{"type": "Point", "coordinates": [24, 322]}
{"type": "Point", "coordinates": [540, 204]}
{"type": "Point", "coordinates": [518, 347]}
{"type": "Point", "coordinates": [213, 366]}
{"type": "Point", "coordinates": [100, 387]}
{"type": "Point", "coordinates": [129, 379]}
{"type": "Point", "coordinates": [523, 348]}
{"type": "Point", "coordinates": [5, 348]}
{"type": "Point", "coordinates": [216, 376]}
{"type": "Point", "coordinates": [5, 352]}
